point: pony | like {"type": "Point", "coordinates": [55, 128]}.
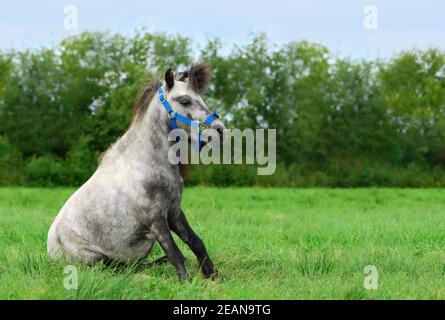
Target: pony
{"type": "Point", "coordinates": [133, 199]}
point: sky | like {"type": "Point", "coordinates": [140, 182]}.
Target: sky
{"type": "Point", "coordinates": [349, 28]}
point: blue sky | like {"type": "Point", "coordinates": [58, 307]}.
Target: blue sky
{"type": "Point", "coordinates": [336, 23]}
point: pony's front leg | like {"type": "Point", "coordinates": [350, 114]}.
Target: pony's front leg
{"type": "Point", "coordinates": [161, 231]}
{"type": "Point", "coordinates": [181, 227]}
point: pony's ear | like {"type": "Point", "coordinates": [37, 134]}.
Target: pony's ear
{"type": "Point", "coordinates": [169, 78]}
{"type": "Point", "coordinates": [199, 76]}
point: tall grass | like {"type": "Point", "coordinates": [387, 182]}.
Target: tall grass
{"type": "Point", "coordinates": [267, 243]}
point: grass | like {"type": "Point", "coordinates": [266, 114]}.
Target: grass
{"type": "Point", "coordinates": [268, 244]}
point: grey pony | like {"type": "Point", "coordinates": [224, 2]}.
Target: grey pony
{"type": "Point", "coordinates": [133, 199]}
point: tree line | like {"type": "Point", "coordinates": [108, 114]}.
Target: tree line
{"type": "Point", "coordinates": [340, 122]}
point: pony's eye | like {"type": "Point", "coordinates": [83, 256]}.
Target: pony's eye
{"type": "Point", "coordinates": [185, 102]}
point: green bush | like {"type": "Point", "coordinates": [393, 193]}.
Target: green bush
{"type": "Point", "coordinates": [45, 171]}
{"type": "Point", "coordinates": [355, 174]}
{"type": "Point", "coordinates": [80, 163]}
{"type": "Point", "coordinates": [11, 164]}
{"type": "Point", "coordinates": [340, 122]}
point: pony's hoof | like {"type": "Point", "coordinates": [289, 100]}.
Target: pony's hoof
{"type": "Point", "coordinates": [219, 277]}
{"type": "Point", "coordinates": [215, 275]}
{"type": "Point", "coordinates": [184, 277]}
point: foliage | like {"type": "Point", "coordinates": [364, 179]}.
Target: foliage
{"type": "Point", "coordinates": [340, 122]}
{"type": "Point", "coordinates": [11, 164]}
{"type": "Point", "coordinates": [45, 170]}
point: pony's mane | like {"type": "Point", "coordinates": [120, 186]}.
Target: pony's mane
{"type": "Point", "coordinates": [198, 76]}
{"type": "Point", "coordinates": [144, 97]}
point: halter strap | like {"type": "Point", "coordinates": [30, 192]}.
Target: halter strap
{"type": "Point", "coordinates": [174, 117]}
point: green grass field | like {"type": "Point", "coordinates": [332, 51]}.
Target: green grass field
{"type": "Point", "coordinates": [268, 244]}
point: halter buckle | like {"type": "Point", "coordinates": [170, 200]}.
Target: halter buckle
{"type": "Point", "coordinates": [203, 126]}
{"type": "Point", "coordinates": [171, 114]}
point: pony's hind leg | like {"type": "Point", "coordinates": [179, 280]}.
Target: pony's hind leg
{"type": "Point", "coordinates": [158, 261]}
{"type": "Point", "coordinates": [78, 250]}
{"type": "Point", "coordinates": [91, 257]}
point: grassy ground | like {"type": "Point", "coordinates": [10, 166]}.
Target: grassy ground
{"type": "Point", "coordinates": [268, 243]}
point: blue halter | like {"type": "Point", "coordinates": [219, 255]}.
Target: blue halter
{"type": "Point", "coordinates": [174, 117]}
